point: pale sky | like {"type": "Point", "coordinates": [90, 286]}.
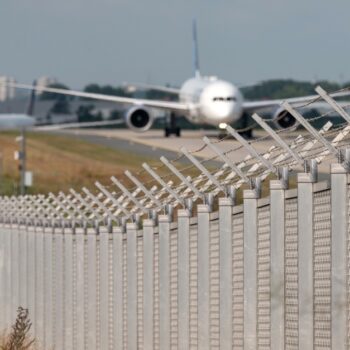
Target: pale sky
{"type": "Point", "coordinates": [111, 41]}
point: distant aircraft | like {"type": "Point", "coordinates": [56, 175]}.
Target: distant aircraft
{"type": "Point", "coordinates": [9, 121]}
{"type": "Point", "coordinates": [201, 99]}
{"type": "Point", "coordinates": [25, 121]}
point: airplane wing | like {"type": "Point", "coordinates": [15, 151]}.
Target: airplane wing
{"type": "Point", "coordinates": [78, 125]}
{"type": "Point", "coordinates": [299, 101]}
{"type": "Point", "coordinates": [152, 87]}
{"type": "Point", "coordinates": [173, 106]}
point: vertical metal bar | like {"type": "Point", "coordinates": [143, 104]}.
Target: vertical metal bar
{"type": "Point", "coordinates": [148, 284]}
{"type": "Point", "coordinates": [3, 281]}
{"type": "Point", "coordinates": [104, 288]}
{"type": "Point", "coordinates": [277, 237]}
{"type": "Point", "coordinates": [48, 302]}
{"type": "Point", "coordinates": [305, 269]}
{"type": "Point", "coordinates": [23, 283]}
{"type": "Point", "coordinates": [226, 281]}
{"type": "Point", "coordinates": [39, 284]}
{"type": "Point", "coordinates": [131, 237]}
{"type": "Point", "coordinates": [183, 249]}
{"type": "Point", "coordinates": [250, 201]}
{"type": "Point", "coordinates": [58, 302]}
{"type": "Point", "coordinates": [31, 275]}
{"type": "Point", "coordinates": [118, 288]}
{"type": "Point", "coordinates": [339, 204]}
{"type": "Point", "coordinates": [14, 270]}
{"type": "Point", "coordinates": [91, 291]}
{"type": "Point", "coordinates": [68, 289]}
{"type": "Point", "coordinates": [80, 341]}
{"type": "Point", "coordinates": [164, 282]}
{"type": "Point", "coordinates": [203, 277]}
{"type": "Point", "coordinates": [7, 276]}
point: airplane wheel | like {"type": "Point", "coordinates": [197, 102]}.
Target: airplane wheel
{"type": "Point", "coordinates": [247, 134]}
{"type": "Point", "coordinates": [166, 132]}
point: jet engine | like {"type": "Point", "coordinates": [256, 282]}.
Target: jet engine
{"type": "Point", "coordinates": [139, 118]}
{"type": "Point", "coordinates": [284, 120]}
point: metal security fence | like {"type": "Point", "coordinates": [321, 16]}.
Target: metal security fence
{"type": "Point", "coordinates": [179, 263]}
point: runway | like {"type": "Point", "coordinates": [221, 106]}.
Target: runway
{"type": "Point", "coordinates": [153, 144]}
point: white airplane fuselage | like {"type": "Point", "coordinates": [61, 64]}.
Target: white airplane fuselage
{"type": "Point", "coordinates": [212, 101]}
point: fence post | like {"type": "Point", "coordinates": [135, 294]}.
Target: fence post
{"type": "Point", "coordinates": [68, 288]}
{"type": "Point", "coordinates": [3, 280]}
{"type": "Point", "coordinates": [48, 302]}
{"type": "Point", "coordinates": [277, 236]}
{"type": "Point", "coordinates": [250, 224]}
{"type": "Point", "coordinates": [31, 276]}
{"type": "Point", "coordinates": [91, 291]}
{"type": "Point", "coordinates": [203, 277]}
{"type": "Point", "coordinates": [148, 284]}
{"type": "Point", "coordinates": [39, 284]}
{"type": "Point", "coordinates": [58, 286]}
{"type": "Point", "coordinates": [79, 293]}
{"type": "Point", "coordinates": [7, 276]}
{"type": "Point", "coordinates": [22, 266]}
{"type": "Point", "coordinates": [339, 203]}
{"type": "Point", "coordinates": [226, 283]}
{"type": "Point", "coordinates": [131, 237]}
{"type": "Point", "coordinates": [305, 263]}
{"type": "Point", "coordinates": [164, 282]}
{"type": "Point", "coordinates": [183, 249]}
{"type": "Point", "coordinates": [118, 288]}
{"type": "Point", "coordinates": [104, 288]}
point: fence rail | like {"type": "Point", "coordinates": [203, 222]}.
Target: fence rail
{"type": "Point", "coordinates": [155, 267]}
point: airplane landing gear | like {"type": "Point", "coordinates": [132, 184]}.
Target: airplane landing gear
{"type": "Point", "coordinates": [172, 128]}
{"type": "Point", "coordinates": [247, 127]}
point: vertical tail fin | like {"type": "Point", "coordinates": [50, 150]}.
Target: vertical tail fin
{"type": "Point", "coordinates": [195, 49]}
{"type": "Point", "coordinates": [31, 104]}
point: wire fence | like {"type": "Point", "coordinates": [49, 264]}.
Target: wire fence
{"type": "Point", "coordinates": [176, 262]}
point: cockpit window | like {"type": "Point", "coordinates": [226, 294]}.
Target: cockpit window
{"type": "Point", "coordinates": [230, 98]}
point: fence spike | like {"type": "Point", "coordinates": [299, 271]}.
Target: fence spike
{"type": "Point", "coordinates": [251, 149]}
{"type": "Point", "coordinates": [339, 109]}
{"type": "Point", "coordinates": [112, 199]}
{"type": "Point", "coordinates": [277, 138]}
{"type": "Point", "coordinates": [202, 168]}
{"type": "Point", "coordinates": [162, 182]}
{"type": "Point", "coordinates": [225, 159]}
{"type": "Point", "coordinates": [309, 128]}
{"type": "Point", "coordinates": [173, 169]}
{"type": "Point", "coordinates": [143, 188]}
{"type": "Point", "coordinates": [128, 194]}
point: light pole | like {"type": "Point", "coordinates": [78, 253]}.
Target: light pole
{"type": "Point", "coordinates": [22, 161]}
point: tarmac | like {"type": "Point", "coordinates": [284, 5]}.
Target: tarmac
{"type": "Point", "coordinates": [153, 144]}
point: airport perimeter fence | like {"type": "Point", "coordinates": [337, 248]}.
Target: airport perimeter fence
{"type": "Point", "coordinates": [201, 271]}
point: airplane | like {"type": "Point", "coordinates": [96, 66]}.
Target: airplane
{"type": "Point", "coordinates": [20, 121]}
{"type": "Point", "coordinates": [201, 99]}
